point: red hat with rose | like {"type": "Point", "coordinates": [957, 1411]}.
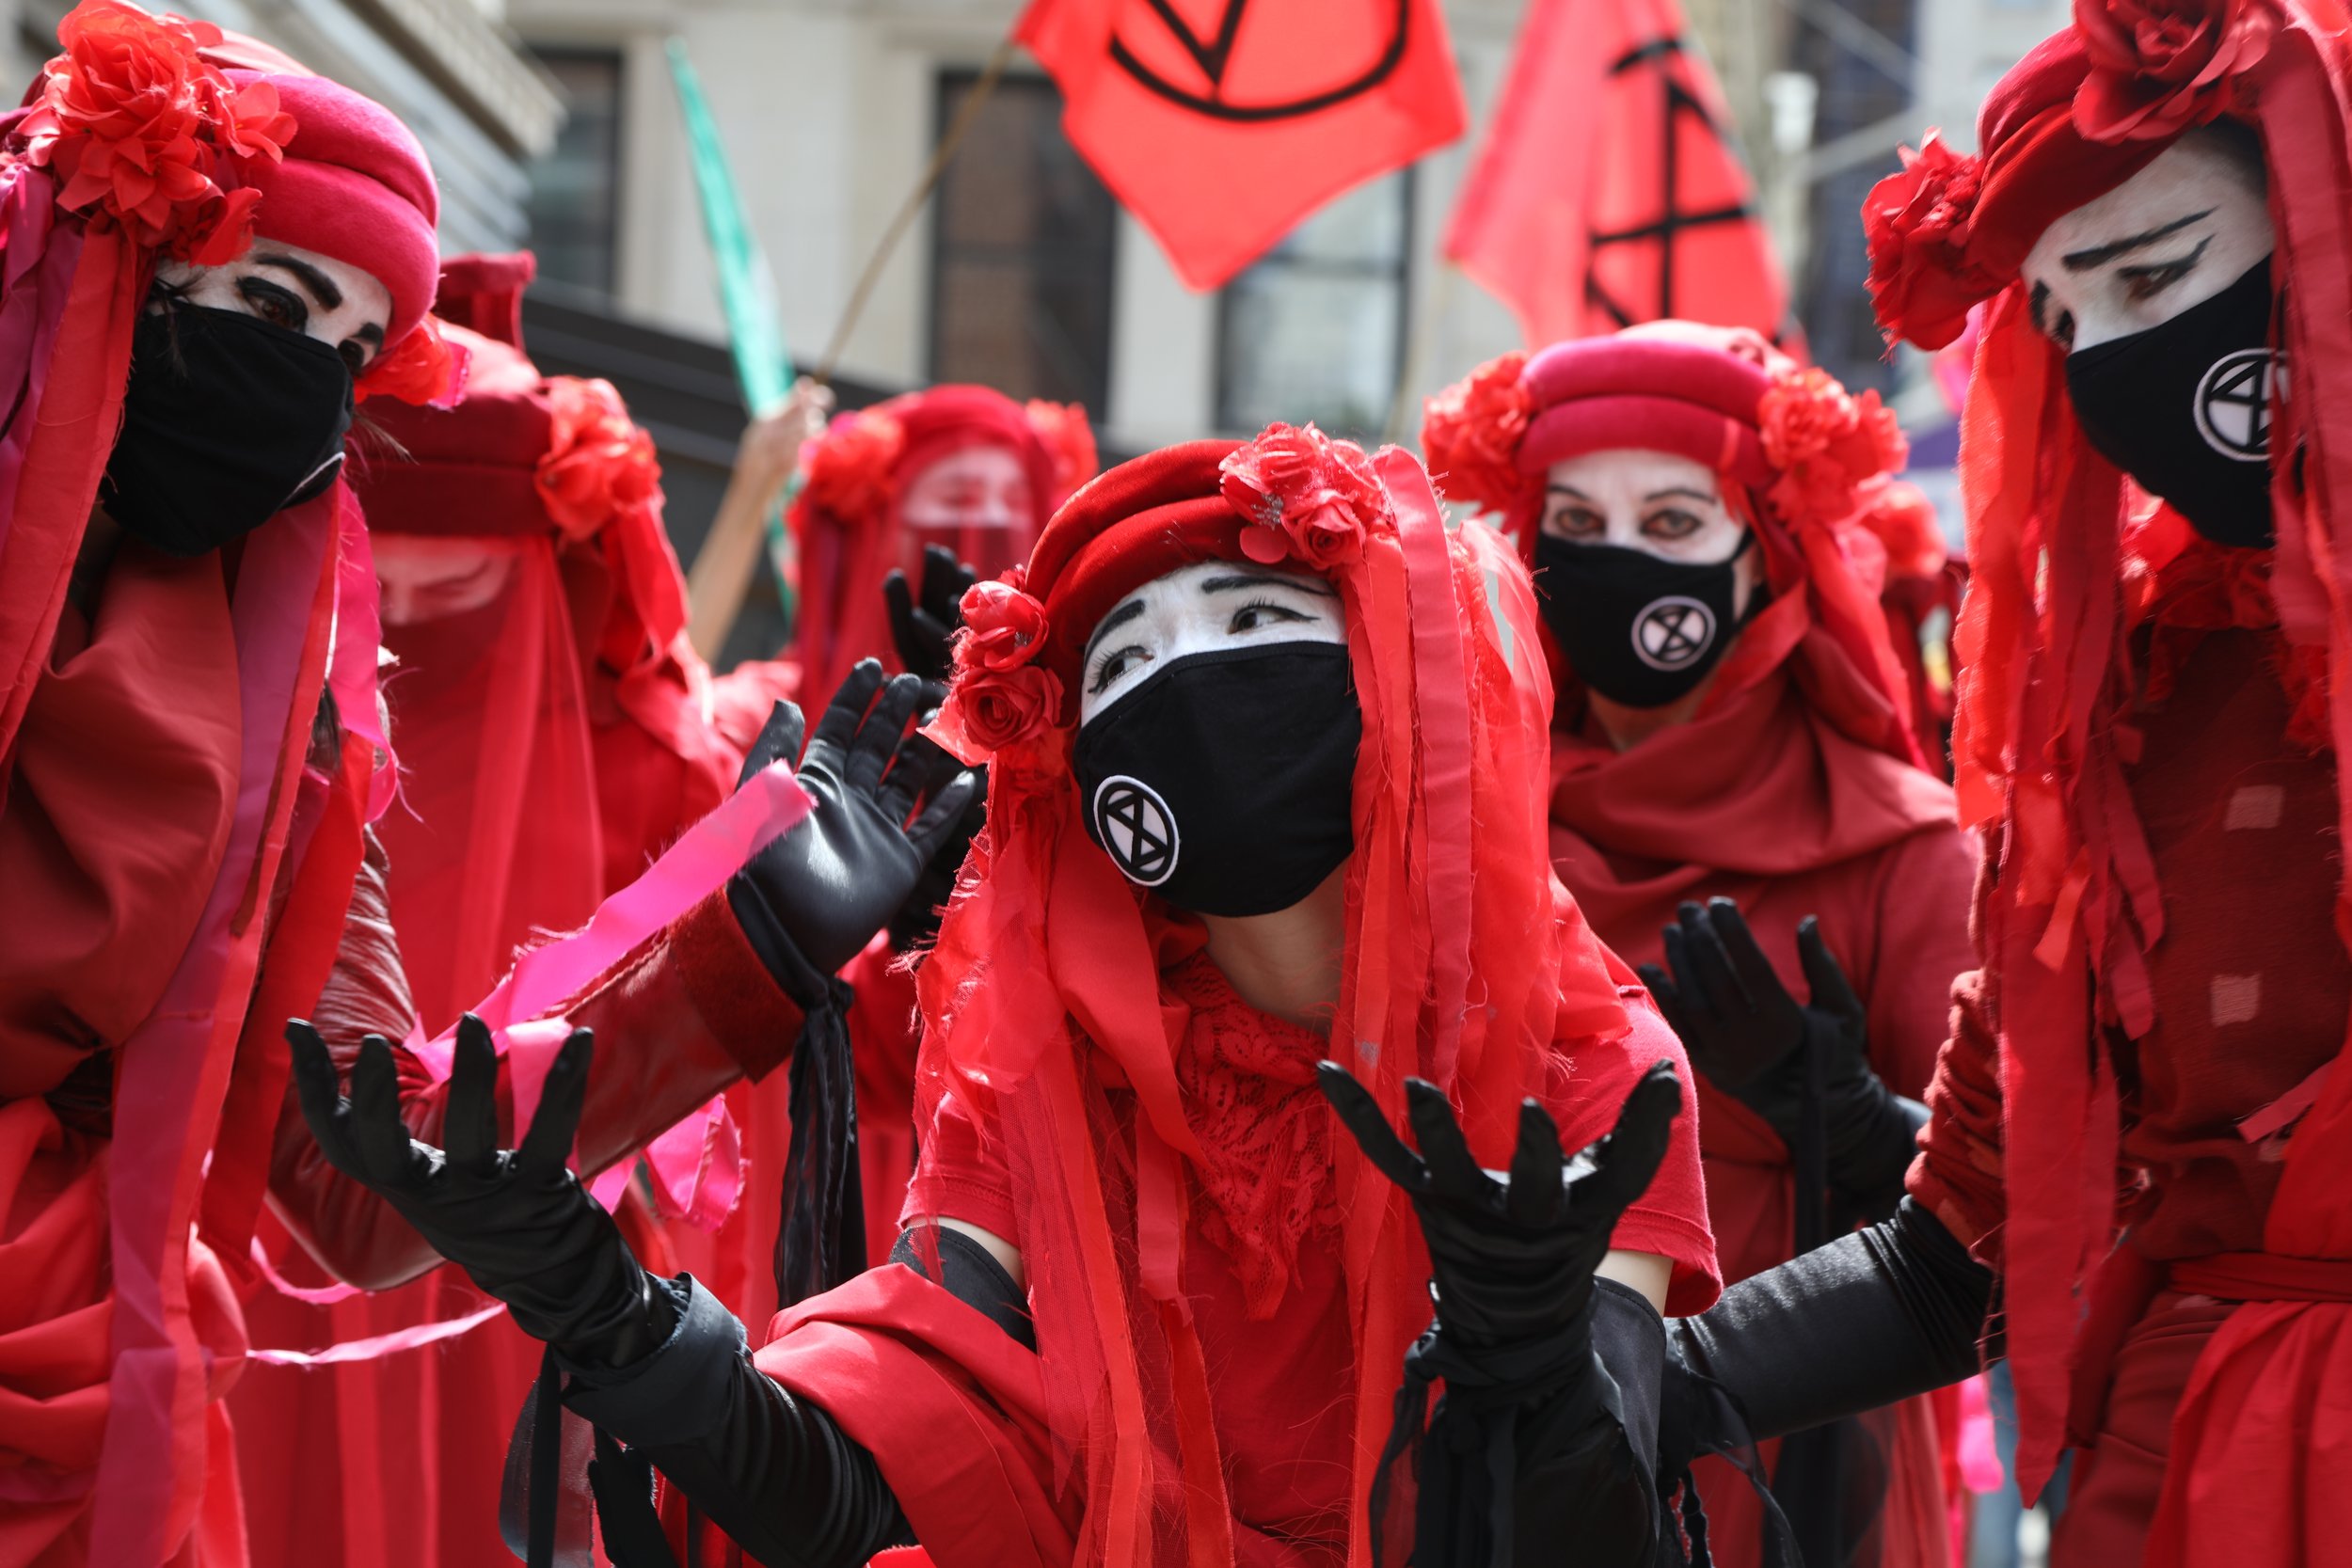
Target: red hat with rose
{"type": "Point", "coordinates": [2084, 599]}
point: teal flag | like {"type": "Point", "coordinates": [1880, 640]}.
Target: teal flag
{"type": "Point", "coordinates": [747, 288]}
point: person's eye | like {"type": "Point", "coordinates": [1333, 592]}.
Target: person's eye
{"type": "Point", "coordinates": [1576, 521]}
{"type": "Point", "coordinates": [355, 356]}
{"type": "Point", "coordinates": [2062, 330]}
{"type": "Point", "coordinates": [1112, 666]}
{"type": "Point", "coordinates": [1674, 523]}
{"type": "Point", "coordinates": [2145, 283]}
{"type": "Point", "coordinates": [1263, 612]}
{"type": "Point", "coordinates": [279, 306]}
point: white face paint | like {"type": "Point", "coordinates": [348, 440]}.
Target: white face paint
{"type": "Point", "coordinates": [2175, 234]}
{"type": "Point", "coordinates": [1653, 501]}
{"type": "Point", "coordinates": [977, 487]}
{"type": "Point", "coordinates": [302, 291]}
{"type": "Point", "coordinates": [423, 578]}
{"type": "Point", "coordinates": [1197, 608]}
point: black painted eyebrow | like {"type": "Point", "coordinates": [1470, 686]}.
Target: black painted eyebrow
{"type": "Point", "coordinates": [1681, 490]}
{"type": "Point", "coordinates": [1264, 580]}
{"type": "Point", "coordinates": [1111, 623]}
{"type": "Point", "coordinates": [322, 289]}
{"type": "Point", "coordinates": [2099, 256]}
{"type": "Point", "coordinates": [1569, 490]}
{"type": "Point", "coordinates": [2038, 307]}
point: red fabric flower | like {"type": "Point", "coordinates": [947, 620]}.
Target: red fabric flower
{"type": "Point", "coordinates": [598, 464]}
{"type": "Point", "coordinates": [1001, 628]}
{"type": "Point", "coordinates": [989, 710]}
{"type": "Point", "coordinates": [1068, 440]}
{"type": "Point", "coordinates": [1312, 499]}
{"type": "Point", "coordinates": [424, 368]}
{"type": "Point", "coordinates": [1899, 515]}
{"type": "Point", "coordinates": [143, 134]}
{"type": "Point", "coordinates": [1917, 223]}
{"type": "Point", "coordinates": [1470, 435]}
{"type": "Point", "coordinates": [1826, 443]}
{"type": "Point", "coordinates": [2160, 67]}
{"type": "Point", "coordinates": [849, 469]}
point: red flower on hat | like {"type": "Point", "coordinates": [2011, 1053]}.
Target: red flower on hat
{"type": "Point", "coordinates": [1827, 444]}
{"type": "Point", "coordinates": [424, 368]}
{"type": "Point", "coordinates": [1470, 435]}
{"type": "Point", "coordinates": [139, 128]}
{"type": "Point", "coordinates": [1918, 224]}
{"type": "Point", "coordinates": [598, 464]}
{"type": "Point", "coordinates": [1314, 499]}
{"type": "Point", "coordinates": [2160, 67]}
{"type": "Point", "coordinates": [1068, 440]}
{"type": "Point", "coordinates": [1001, 696]}
{"type": "Point", "coordinates": [847, 470]}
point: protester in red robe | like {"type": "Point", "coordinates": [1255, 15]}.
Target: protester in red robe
{"type": "Point", "coordinates": [556, 734]}
{"type": "Point", "coordinates": [1736, 728]}
{"type": "Point", "coordinates": [2136, 1125]}
{"type": "Point", "coordinates": [205, 267]}
{"type": "Point", "coordinates": [1202, 1297]}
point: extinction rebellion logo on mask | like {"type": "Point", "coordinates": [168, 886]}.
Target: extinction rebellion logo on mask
{"type": "Point", "coordinates": [2234, 403]}
{"type": "Point", "coordinates": [1674, 633]}
{"type": "Point", "coordinates": [1138, 829]}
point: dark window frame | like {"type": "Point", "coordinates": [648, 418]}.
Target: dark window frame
{"type": "Point", "coordinates": [1405, 271]}
{"type": "Point", "coordinates": [947, 82]}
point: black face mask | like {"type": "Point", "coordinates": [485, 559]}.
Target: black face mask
{"type": "Point", "coordinates": [227, 421]}
{"type": "Point", "coordinates": [1639, 630]}
{"type": "Point", "coordinates": [1224, 781]}
{"type": "Point", "coordinates": [2184, 407]}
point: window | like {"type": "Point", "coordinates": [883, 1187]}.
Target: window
{"type": "Point", "coordinates": [1316, 329]}
{"type": "Point", "coordinates": [1022, 251]}
{"type": "Point", "coordinates": [574, 207]}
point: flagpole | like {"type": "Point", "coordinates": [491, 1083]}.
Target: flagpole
{"type": "Point", "coordinates": [1417, 352]}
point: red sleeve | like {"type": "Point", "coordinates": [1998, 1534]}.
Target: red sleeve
{"type": "Point", "coordinates": [1957, 1176]}
{"type": "Point", "coordinates": [1919, 917]}
{"type": "Point", "coordinates": [958, 1177]}
{"type": "Point", "coordinates": [1590, 1079]}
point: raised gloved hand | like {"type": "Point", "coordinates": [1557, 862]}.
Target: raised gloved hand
{"type": "Point", "coordinates": [1513, 1259]}
{"type": "Point", "coordinates": [811, 900]}
{"type": "Point", "coordinates": [925, 632]}
{"type": "Point", "coordinates": [517, 1220]}
{"type": "Point", "coordinates": [1752, 1038]}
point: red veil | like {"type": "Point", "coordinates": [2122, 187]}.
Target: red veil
{"type": "Point", "coordinates": [1465, 960]}
{"type": "Point", "coordinates": [2063, 573]}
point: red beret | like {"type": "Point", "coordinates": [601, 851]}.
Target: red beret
{"type": "Point", "coordinates": [1654, 394]}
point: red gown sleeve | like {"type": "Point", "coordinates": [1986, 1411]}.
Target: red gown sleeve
{"type": "Point", "coordinates": [1920, 897]}
{"type": "Point", "coordinates": [1957, 1176]}
{"type": "Point", "coordinates": [676, 1021]}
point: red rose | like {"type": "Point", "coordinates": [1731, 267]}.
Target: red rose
{"type": "Point", "coordinates": [1826, 443]}
{"type": "Point", "coordinates": [1917, 223]}
{"type": "Point", "coordinates": [598, 464]}
{"type": "Point", "coordinates": [989, 710]}
{"type": "Point", "coordinates": [849, 469]}
{"type": "Point", "coordinates": [1470, 435]}
{"type": "Point", "coordinates": [1001, 628]}
{"type": "Point", "coordinates": [2159, 67]}
{"type": "Point", "coordinates": [1312, 499]}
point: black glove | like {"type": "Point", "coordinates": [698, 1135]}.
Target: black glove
{"type": "Point", "coordinates": [1513, 1263]}
{"type": "Point", "coordinates": [813, 900]}
{"type": "Point", "coordinates": [517, 1220]}
{"type": "Point", "coordinates": [1758, 1044]}
{"type": "Point", "coordinates": [925, 633]}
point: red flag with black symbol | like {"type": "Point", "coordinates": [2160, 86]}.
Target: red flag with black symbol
{"type": "Point", "coordinates": [1221, 123]}
{"type": "Point", "coordinates": [1609, 191]}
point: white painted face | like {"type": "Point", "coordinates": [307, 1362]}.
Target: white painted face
{"type": "Point", "coordinates": [2175, 234]}
{"type": "Point", "coordinates": [1199, 608]}
{"type": "Point", "coordinates": [302, 291]}
{"type": "Point", "coordinates": [977, 487]}
{"type": "Point", "coordinates": [424, 579]}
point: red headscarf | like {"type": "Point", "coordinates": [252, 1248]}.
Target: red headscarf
{"type": "Point", "coordinates": [1803, 462]}
{"type": "Point", "coordinates": [1041, 991]}
{"type": "Point", "coordinates": [849, 526]}
{"type": "Point", "coordinates": [2065, 564]}
{"type": "Point", "coordinates": [135, 148]}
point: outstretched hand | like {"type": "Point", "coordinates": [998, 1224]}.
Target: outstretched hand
{"type": "Point", "coordinates": [813, 898]}
{"type": "Point", "coordinates": [925, 631]}
{"type": "Point", "coordinates": [517, 1220]}
{"type": "Point", "coordinates": [1513, 1258]}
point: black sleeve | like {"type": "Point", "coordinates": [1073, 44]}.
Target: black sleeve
{"type": "Point", "coordinates": [1869, 1320]}
{"type": "Point", "coordinates": [1585, 1490]}
{"type": "Point", "coordinates": [773, 1470]}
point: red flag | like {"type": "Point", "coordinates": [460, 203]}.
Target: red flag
{"type": "Point", "coordinates": [1221, 123]}
{"type": "Point", "coordinates": [1609, 191]}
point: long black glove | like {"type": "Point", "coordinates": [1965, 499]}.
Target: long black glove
{"type": "Point", "coordinates": [1757, 1042]}
{"type": "Point", "coordinates": [517, 1220]}
{"type": "Point", "coordinates": [811, 900]}
{"type": "Point", "coordinates": [925, 632]}
{"type": "Point", "coordinates": [1532, 1414]}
